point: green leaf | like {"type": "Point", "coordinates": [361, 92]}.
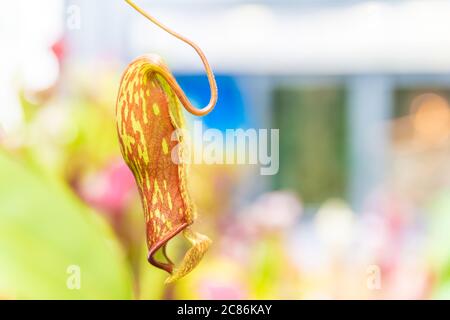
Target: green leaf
{"type": "Point", "coordinates": [44, 230]}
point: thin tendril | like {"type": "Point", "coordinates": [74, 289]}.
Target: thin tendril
{"type": "Point", "coordinates": [177, 89]}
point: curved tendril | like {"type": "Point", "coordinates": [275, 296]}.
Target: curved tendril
{"type": "Point", "coordinates": [175, 86]}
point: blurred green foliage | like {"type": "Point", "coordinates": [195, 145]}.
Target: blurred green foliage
{"type": "Point", "coordinates": [313, 142]}
{"type": "Point", "coordinates": [44, 230]}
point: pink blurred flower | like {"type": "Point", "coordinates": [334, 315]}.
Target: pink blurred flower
{"type": "Point", "coordinates": [109, 189]}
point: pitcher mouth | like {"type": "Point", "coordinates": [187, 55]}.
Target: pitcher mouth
{"type": "Point", "coordinates": [168, 267]}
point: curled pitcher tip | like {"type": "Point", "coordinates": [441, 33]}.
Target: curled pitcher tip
{"type": "Point", "coordinates": [199, 245]}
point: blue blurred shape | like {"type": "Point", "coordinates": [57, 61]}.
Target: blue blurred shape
{"type": "Point", "coordinates": [229, 112]}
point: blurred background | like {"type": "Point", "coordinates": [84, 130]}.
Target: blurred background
{"type": "Point", "coordinates": [360, 207]}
